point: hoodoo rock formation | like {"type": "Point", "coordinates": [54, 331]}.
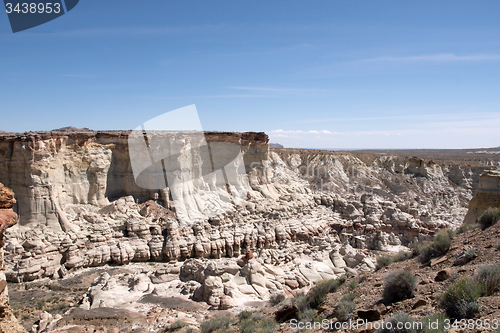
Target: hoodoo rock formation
{"type": "Point", "coordinates": [307, 215]}
{"type": "Point", "coordinates": [487, 196]}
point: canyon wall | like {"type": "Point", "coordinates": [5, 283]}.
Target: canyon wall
{"type": "Point", "coordinates": [487, 196]}
{"type": "Point", "coordinates": [52, 170]}
{"type": "Point", "coordinates": [311, 213]}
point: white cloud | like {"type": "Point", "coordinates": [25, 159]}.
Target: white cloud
{"type": "Point", "coordinates": [282, 90]}
{"type": "Point", "coordinates": [439, 131]}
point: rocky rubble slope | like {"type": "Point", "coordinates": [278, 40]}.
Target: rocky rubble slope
{"type": "Point", "coordinates": [433, 279]}
{"type": "Point", "coordinates": [8, 323]}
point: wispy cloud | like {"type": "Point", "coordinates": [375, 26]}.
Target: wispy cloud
{"type": "Point", "coordinates": [438, 131]}
{"type": "Point", "coordinates": [206, 96]}
{"type": "Point", "coordinates": [286, 90]}
{"type": "Point", "coordinates": [387, 63]}
{"type": "Point", "coordinates": [279, 133]}
{"type": "Point", "coordinates": [442, 57]}
{"type": "Point", "coordinates": [137, 31]}
{"type": "Point", "coordinates": [80, 76]}
{"type": "Point", "coordinates": [274, 89]}
{"type": "Point", "coordinates": [420, 117]}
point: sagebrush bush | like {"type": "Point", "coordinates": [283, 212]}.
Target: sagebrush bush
{"type": "Point", "coordinates": [266, 325]}
{"type": "Point", "coordinates": [489, 279]}
{"type": "Point", "coordinates": [442, 242]}
{"type": "Point", "coordinates": [399, 286]}
{"type": "Point", "coordinates": [383, 261]}
{"type": "Point", "coordinates": [353, 284]}
{"type": "Point", "coordinates": [438, 247]}
{"type": "Point", "coordinates": [214, 324]}
{"type": "Point", "coordinates": [460, 300]}
{"type": "Point", "coordinates": [489, 218]}
{"type": "Point", "coordinates": [276, 299]}
{"type": "Point", "coordinates": [307, 315]}
{"type": "Point", "coordinates": [301, 301]}
{"type": "Point", "coordinates": [306, 304]}
{"type": "Point", "coordinates": [244, 315]}
{"type": "Point", "coordinates": [399, 323]}
{"type": "Point", "coordinates": [345, 308]}
{"type": "Point", "coordinates": [318, 293]}
{"type": "Point", "coordinates": [402, 256]}
{"type": "Point", "coordinates": [178, 324]}
{"type": "Point", "coordinates": [466, 227]}
{"type": "Point", "coordinates": [349, 297]}
{"type": "Point", "coordinates": [257, 324]}
{"type": "Point", "coordinates": [343, 278]}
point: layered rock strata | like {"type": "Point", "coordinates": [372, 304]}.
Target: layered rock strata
{"type": "Point", "coordinates": [487, 196]}
{"type": "Point", "coordinates": [80, 207]}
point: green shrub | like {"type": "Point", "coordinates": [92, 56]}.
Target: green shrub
{"type": "Point", "coordinates": [248, 326]}
{"type": "Point", "coordinates": [345, 308]}
{"type": "Point", "coordinates": [489, 279]}
{"type": "Point", "coordinates": [426, 252]}
{"type": "Point", "coordinates": [40, 304]}
{"type": "Point", "coordinates": [214, 324]}
{"type": "Point", "coordinates": [416, 250]}
{"type": "Point", "coordinates": [435, 318]}
{"type": "Point", "coordinates": [438, 247]}
{"type": "Point", "coordinates": [489, 218]}
{"type": "Point", "coordinates": [466, 227]}
{"type": "Point", "coordinates": [403, 320]}
{"type": "Point", "coordinates": [402, 256]}
{"type": "Point", "coordinates": [343, 278]}
{"type": "Point", "coordinates": [353, 284]}
{"type": "Point", "coordinates": [460, 300]}
{"type": "Point", "coordinates": [244, 315]}
{"type": "Point", "coordinates": [257, 324]}
{"type": "Point", "coordinates": [258, 316]}
{"type": "Point", "coordinates": [276, 299]}
{"type": "Point", "coordinates": [267, 325]}
{"type": "Point", "coordinates": [399, 286]}
{"type": "Point", "coordinates": [307, 315]}
{"type": "Point", "coordinates": [301, 301]}
{"type": "Point", "coordinates": [318, 293]}
{"type": "Point", "coordinates": [442, 242]}
{"type": "Point", "coordinates": [383, 261]}
{"type": "Point", "coordinates": [349, 297]}
{"type": "Point", "coordinates": [176, 325]}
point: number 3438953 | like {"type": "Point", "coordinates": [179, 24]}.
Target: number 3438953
{"type": "Point", "coordinates": [33, 8]}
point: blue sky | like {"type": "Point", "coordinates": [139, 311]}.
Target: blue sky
{"type": "Point", "coordinates": [311, 74]}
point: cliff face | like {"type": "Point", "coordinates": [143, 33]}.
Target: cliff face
{"type": "Point", "coordinates": [8, 323]}
{"type": "Point", "coordinates": [80, 206]}
{"type": "Point", "coordinates": [487, 196]}
{"type": "Point", "coordinates": [52, 170]}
